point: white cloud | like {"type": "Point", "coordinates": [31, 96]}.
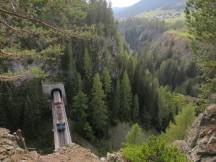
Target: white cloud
{"type": "Point", "coordinates": [123, 3]}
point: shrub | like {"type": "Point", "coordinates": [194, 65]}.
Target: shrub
{"type": "Point", "coordinates": [154, 150]}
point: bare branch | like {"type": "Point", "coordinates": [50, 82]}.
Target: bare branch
{"type": "Point", "coordinates": [30, 19]}
{"type": "Point", "coordinates": [4, 54]}
{"type": "Point", "coordinates": [18, 55]}
{"type": "Point", "coordinates": [10, 78]}
{"type": "Point", "coordinates": [13, 28]}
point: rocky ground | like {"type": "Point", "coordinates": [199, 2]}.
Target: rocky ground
{"type": "Point", "coordinates": [200, 142]}
{"type": "Point", "coordinates": [11, 152]}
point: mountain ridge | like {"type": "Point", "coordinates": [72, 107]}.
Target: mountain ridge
{"type": "Point", "coordinates": [147, 5]}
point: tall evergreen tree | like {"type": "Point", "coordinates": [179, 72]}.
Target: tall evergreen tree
{"type": "Point", "coordinates": [107, 82]}
{"type": "Point", "coordinates": [115, 103]}
{"type": "Point", "coordinates": [125, 98]}
{"type": "Point", "coordinates": [87, 64]}
{"type": "Point", "coordinates": [135, 110]}
{"type": "Point", "coordinates": [87, 69]}
{"type": "Point", "coordinates": [80, 109]}
{"type": "Point", "coordinates": [99, 114]}
{"type": "Point", "coordinates": [70, 72]}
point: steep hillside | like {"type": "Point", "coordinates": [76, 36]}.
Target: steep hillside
{"type": "Point", "coordinates": [161, 45]}
{"type": "Point", "coordinates": [200, 142]}
{"type": "Point", "coordinates": [148, 5]}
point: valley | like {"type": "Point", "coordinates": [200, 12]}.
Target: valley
{"type": "Point", "coordinates": [137, 80]}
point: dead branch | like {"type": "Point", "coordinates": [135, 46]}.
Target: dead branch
{"type": "Point", "coordinates": [11, 78]}
{"type": "Point", "coordinates": [15, 29]}
{"type": "Point", "coordinates": [35, 20]}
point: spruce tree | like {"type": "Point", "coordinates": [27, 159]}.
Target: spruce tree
{"type": "Point", "coordinates": [107, 82]}
{"type": "Point", "coordinates": [125, 98]}
{"type": "Point", "coordinates": [115, 103]}
{"type": "Point", "coordinates": [87, 64]}
{"type": "Point", "coordinates": [70, 72]}
{"type": "Point", "coordinates": [99, 115]}
{"type": "Point", "coordinates": [80, 108]}
{"type": "Point", "coordinates": [135, 110]}
{"type": "Point", "coordinates": [87, 69]}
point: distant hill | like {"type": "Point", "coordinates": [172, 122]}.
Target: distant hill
{"type": "Point", "coordinates": [147, 6]}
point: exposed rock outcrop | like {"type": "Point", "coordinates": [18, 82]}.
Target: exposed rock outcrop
{"type": "Point", "coordinates": [115, 157]}
{"type": "Point", "coordinates": [11, 152]}
{"type": "Point", "coordinates": [200, 142]}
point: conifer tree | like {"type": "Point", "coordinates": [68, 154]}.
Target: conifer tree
{"type": "Point", "coordinates": [99, 115]}
{"type": "Point", "coordinates": [125, 98]}
{"type": "Point", "coordinates": [107, 82]}
{"type": "Point", "coordinates": [115, 102]}
{"type": "Point", "coordinates": [135, 110]}
{"type": "Point", "coordinates": [88, 70]}
{"type": "Point", "coordinates": [87, 64]}
{"type": "Point", "coordinates": [80, 108]}
{"type": "Point", "coordinates": [69, 66]}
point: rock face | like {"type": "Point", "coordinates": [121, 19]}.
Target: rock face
{"type": "Point", "coordinates": [115, 157]}
{"type": "Point", "coordinates": [11, 152]}
{"type": "Point", "coordinates": [200, 142]}
{"type": "Point", "coordinates": [8, 146]}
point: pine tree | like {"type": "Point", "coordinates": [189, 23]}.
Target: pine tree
{"type": "Point", "coordinates": [125, 98]}
{"type": "Point", "coordinates": [99, 115]}
{"type": "Point", "coordinates": [80, 108]}
{"type": "Point", "coordinates": [115, 103]}
{"type": "Point", "coordinates": [88, 70]}
{"type": "Point", "coordinates": [107, 82]}
{"type": "Point", "coordinates": [87, 65]}
{"type": "Point", "coordinates": [70, 71]}
{"type": "Point", "coordinates": [135, 110]}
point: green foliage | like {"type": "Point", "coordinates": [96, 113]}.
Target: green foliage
{"type": "Point", "coordinates": [201, 21]}
{"type": "Point", "coordinates": [38, 72]}
{"type": "Point", "coordinates": [155, 150]}
{"type": "Point", "coordinates": [115, 112]}
{"type": "Point", "coordinates": [135, 135]}
{"type": "Point", "coordinates": [24, 107]}
{"type": "Point", "coordinates": [34, 32]}
{"type": "Point", "coordinates": [107, 82]}
{"type": "Point", "coordinates": [125, 98]}
{"type": "Point", "coordinates": [135, 110]}
{"type": "Point", "coordinates": [183, 121]}
{"type": "Point", "coordinates": [86, 42]}
{"type": "Point", "coordinates": [87, 65]}
{"type": "Point", "coordinates": [99, 115]}
{"type": "Point", "coordinates": [80, 110]}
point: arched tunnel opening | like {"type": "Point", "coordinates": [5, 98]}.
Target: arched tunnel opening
{"type": "Point", "coordinates": [56, 90]}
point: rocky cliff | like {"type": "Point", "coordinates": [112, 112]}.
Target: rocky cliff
{"type": "Point", "coordinates": [10, 151]}
{"type": "Point", "coordinates": [200, 141]}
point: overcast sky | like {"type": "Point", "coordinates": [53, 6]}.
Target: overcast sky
{"type": "Point", "coordinates": [123, 3]}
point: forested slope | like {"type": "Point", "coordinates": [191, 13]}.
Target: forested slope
{"type": "Point", "coordinates": [141, 77]}
{"type": "Point", "coordinates": [77, 43]}
{"type": "Point", "coordinates": [165, 49]}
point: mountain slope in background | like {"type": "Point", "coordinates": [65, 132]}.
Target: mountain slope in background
{"type": "Point", "coordinates": [148, 5]}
